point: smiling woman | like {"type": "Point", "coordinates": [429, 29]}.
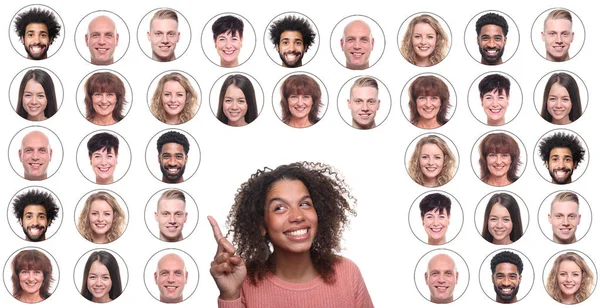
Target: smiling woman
{"type": "Point", "coordinates": [174, 100]}
{"type": "Point", "coordinates": [31, 276]}
{"type": "Point", "coordinates": [104, 98]}
{"type": "Point", "coordinates": [287, 224]}
{"type": "Point", "coordinates": [102, 220]}
{"type": "Point", "coordinates": [37, 98]}
{"type": "Point", "coordinates": [101, 278]}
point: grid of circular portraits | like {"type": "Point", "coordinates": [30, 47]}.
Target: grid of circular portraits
{"type": "Point", "coordinates": [245, 156]}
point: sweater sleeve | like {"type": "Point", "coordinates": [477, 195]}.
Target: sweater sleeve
{"type": "Point", "coordinates": [237, 303]}
{"type": "Point", "coordinates": [362, 298]}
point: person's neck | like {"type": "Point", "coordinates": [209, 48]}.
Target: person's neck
{"type": "Point", "coordinates": [229, 64]}
{"type": "Point", "coordinates": [99, 238]}
{"type": "Point", "coordinates": [31, 297]}
{"type": "Point", "coordinates": [498, 181]}
{"type": "Point", "coordinates": [293, 267]}
{"type": "Point", "coordinates": [428, 123]}
{"type": "Point", "coordinates": [553, 59]}
{"type": "Point", "coordinates": [438, 241]}
{"type": "Point", "coordinates": [240, 122]}
{"type": "Point", "coordinates": [39, 117]}
{"type": "Point", "coordinates": [171, 301]}
{"type": "Point", "coordinates": [368, 126]}
{"type": "Point", "coordinates": [567, 299]}
{"type": "Point", "coordinates": [357, 67]}
{"type": "Point", "coordinates": [498, 122]}
{"type": "Point", "coordinates": [423, 62]}
{"type": "Point", "coordinates": [504, 241]}
{"type": "Point", "coordinates": [570, 240]}
{"type": "Point", "coordinates": [104, 120]}
{"type": "Point", "coordinates": [563, 121]}
{"type": "Point", "coordinates": [103, 299]}
{"type": "Point", "coordinates": [169, 59]}
{"type": "Point", "coordinates": [172, 239]}
{"type": "Point", "coordinates": [109, 180]}
{"type": "Point", "coordinates": [299, 122]}
{"type": "Point", "coordinates": [491, 63]}
{"type": "Point", "coordinates": [172, 119]}
{"type": "Point", "coordinates": [430, 182]}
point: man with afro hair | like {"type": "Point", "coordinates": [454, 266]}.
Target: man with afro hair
{"type": "Point", "coordinates": [37, 28]}
{"type": "Point", "coordinates": [561, 154]}
{"type": "Point", "coordinates": [292, 36]}
{"type": "Point", "coordinates": [491, 30]}
{"type": "Point", "coordinates": [36, 210]}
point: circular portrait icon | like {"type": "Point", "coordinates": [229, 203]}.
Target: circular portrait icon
{"type": "Point", "coordinates": [562, 156]}
{"type": "Point", "coordinates": [169, 153]}
{"type": "Point", "coordinates": [36, 32]}
{"type": "Point", "coordinates": [171, 276]}
{"type": "Point", "coordinates": [164, 34]}
{"type": "Point", "coordinates": [35, 214]}
{"type": "Point", "coordinates": [506, 276]}
{"type": "Point", "coordinates": [424, 39]}
{"type": "Point", "coordinates": [171, 215]}
{"type": "Point", "coordinates": [553, 34]}
{"type": "Point", "coordinates": [36, 94]}
{"type": "Point", "coordinates": [498, 158]}
{"type": "Point", "coordinates": [302, 98]}
{"type": "Point", "coordinates": [40, 153]}
{"type": "Point", "coordinates": [102, 150]}
{"type": "Point", "coordinates": [104, 97]}
{"type": "Point", "coordinates": [446, 276]}
{"type": "Point", "coordinates": [428, 101]}
{"type": "Point", "coordinates": [495, 98]}
{"type": "Point", "coordinates": [31, 275]}
{"type": "Point", "coordinates": [101, 216]}
{"type": "Point", "coordinates": [492, 38]}
{"type": "Point", "coordinates": [565, 217]}
{"type": "Point", "coordinates": [102, 38]}
{"type": "Point", "coordinates": [364, 102]}
{"type": "Point", "coordinates": [357, 42]}
{"type": "Point", "coordinates": [434, 211]}
{"type": "Point", "coordinates": [174, 98]}
{"type": "Point", "coordinates": [233, 38]}
{"type": "Point", "coordinates": [100, 275]}
{"type": "Point", "coordinates": [561, 97]}
{"type": "Point", "coordinates": [501, 217]}
{"type": "Point", "coordinates": [430, 160]}
{"type": "Point", "coordinates": [291, 39]}
{"type": "Point", "coordinates": [236, 99]}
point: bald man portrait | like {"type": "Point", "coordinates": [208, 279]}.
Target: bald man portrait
{"type": "Point", "coordinates": [357, 44]}
{"type": "Point", "coordinates": [35, 154]}
{"type": "Point", "coordinates": [171, 278]}
{"type": "Point", "coordinates": [441, 277]}
{"type": "Point", "coordinates": [102, 39]}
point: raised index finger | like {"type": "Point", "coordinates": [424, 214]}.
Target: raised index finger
{"type": "Point", "coordinates": [216, 230]}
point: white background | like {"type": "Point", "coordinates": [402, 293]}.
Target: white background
{"type": "Point", "coordinates": [379, 241]}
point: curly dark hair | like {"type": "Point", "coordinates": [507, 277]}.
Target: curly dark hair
{"type": "Point", "coordinates": [491, 19]}
{"type": "Point", "coordinates": [173, 137]}
{"type": "Point", "coordinates": [333, 204]}
{"type": "Point", "coordinates": [562, 140]}
{"type": "Point", "coordinates": [37, 197]}
{"type": "Point", "coordinates": [37, 16]}
{"type": "Point", "coordinates": [507, 257]}
{"type": "Point", "coordinates": [292, 23]}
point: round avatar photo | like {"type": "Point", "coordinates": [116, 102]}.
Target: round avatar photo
{"type": "Point", "coordinates": [446, 276]}
{"type": "Point", "coordinates": [100, 275]}
{"type": "Point", "coordinates": [430, 217]}
{"type": "Point", "coordinates": [35, 214]}
{"type": "Point", "coordinates": [102, 38]}
{"type": "Point", "coordinates": [99, 154]}
{"type": "Point", "coordinates": [36, 94]}
{"type": "Point", "coordinates": [228, 40]}
{"type": "Point", "coordinates": [104, 97]}
{"type": "Point", "coordinates": [506, 276]}
{"type": "Point", "coordinates": [501, 217]}
{"type": "Point", "coordinates": [300, 99]}
{"type": "Point", "coordinates": [562, 156]}
{"type": "Point", "coordinates": [291, 39]}
{"type": "Point", "coordinates": [364, 102]}
{"type": "Point", "coordinates": [101, 216]}
{"type": "Point", "coordinates": [570, 277]}
{"type": "Point", "coordinates": [428, 101]}
{"type": "Point", "coordinates": [561, 97]}
{"type": "Point", "coordinates": [174, 97]}
{"type": "Point", "coordinates": [35, 153]}
{"type": "Point", "coordinates": [169, 153]}
{"type": "Point", "coordinates": [31, 275]}
{"type": "Point", "coordinates": [36, 32]}
{"type": "Point", "coordinates": [424, 39]}
{"type": "Point", "coordinates": [430, 160]}
{"type": "Point", "coordinates": [565, 217]}
{"type": "Point", "coordinates": [495, 98]}
{"type": "Point", "coordinates": [171, 215]}
{"type": "Point", "coordinates": [492, 37]}
{"type": "Point", "coordinates": [498, 158]}
{"type": "Point", "coordinates": [553, 34]}
{"type": "Point", "coordinates": [164, 34]}
{"type": "Point", "coordinates": [236, 99]}
{"type": "Point", "coordinates": [171, 276]}
{"type": "Point", "coordinates": [357, 42]}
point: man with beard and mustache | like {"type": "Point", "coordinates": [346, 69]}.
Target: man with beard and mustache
{"type": "Point", "coordinates": [561, 154]}
{"type": "Point", "coordinates": [506, 276]}
{"type": "Point", "coordinates": [173, 148]}
{"type": "Point", "coordinates": [37, 29]}
{"type": "Point", "coordinates": [491, 37]}
{"type": "Point", "coordinates": [292, 36]}
{"type": "Point", "coordinates": [35, 210]}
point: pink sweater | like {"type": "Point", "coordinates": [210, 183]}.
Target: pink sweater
{"type": "Point", "coordinates": [349, 290]}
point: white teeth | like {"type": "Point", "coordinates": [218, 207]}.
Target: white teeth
{"type": "Point", "coordinates": [171, 287]}
{"type": "Point", "coordinates": [297, 232]}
